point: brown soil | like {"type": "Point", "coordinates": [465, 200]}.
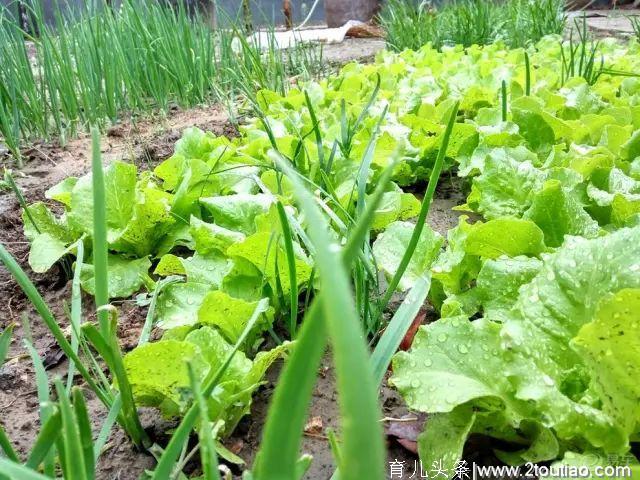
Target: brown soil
{"type": "Point", "coordinates": [146, 144]}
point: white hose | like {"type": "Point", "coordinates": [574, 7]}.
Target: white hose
{"type": "Point", "coordinates": [313, 9]}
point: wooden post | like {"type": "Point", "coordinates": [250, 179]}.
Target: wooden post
{"type": "Point", "coordinates": [288, 14]}
{"type": "Point", "coordinates": [246, 14]}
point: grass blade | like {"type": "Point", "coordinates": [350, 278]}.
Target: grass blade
{"type": "Point", "coordinates": [7, 448]}
{"type": "Point", "coordinates": [424, 210]}
{"type": "Point", "coordinates": [397, 328]}
{"type": "Point", "coordinates": [208, 456]}
{"type": "Point", "coordinates": [45, 441]}
{"type": "Point", "coordinates": [84, 427]}
{"type": "Point", "coordinates": [281, 437]}
{"type": "Point", "coordinates": [15, 470]}
{"type": "Point", "coordinates": [358, 401]}
{"type": "Point", "coordinates": [112, 416]}
{"type": "Point", "coordinates": [527, 80]}
{"type": "Point", "coordinates": [316, 130]}
{"type": "Point", "coordinates": [43, 390]}
{"type": "Point", "coordinates": [5, 343]}
{"type": "Point", "coordinates": [503, 95]}
{"type": "Point", "coordinates": [100, 247]}
{"type": "Point", "coordinates": [76, 311]}
{"type": "Point", "coordinates": [74, 465]}
{"type": "Point", "coordinates": [291, 262]}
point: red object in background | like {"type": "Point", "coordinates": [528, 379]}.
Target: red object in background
{"type": "Point", "coordinates": [406, 342]}
{"type": "Point", "coordinates": [287, 10]}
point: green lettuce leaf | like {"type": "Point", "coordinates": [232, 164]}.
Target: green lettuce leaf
{"type": "Point", "coordinates": [159, 376]}
{"type": "Point", "coordinates": [261, 250]}
{"type": "Point", "coordinates": [178, 304]}
{"type": "Point", "coordinates": [210, 237]}
{"type": "Point", "coordinates": [559, 213]}
{"type": "Point", "coordinates": [505, 188]}
{"type": "Point", "coordinates": [610, 346]}
{"type": "Point", "coordinates": [45, 251]}
{"type": "Point", "coordinates": [505, 236]}
{"type": "Point", "coordinates": [126, 276]}
{"type": "Point", "coordinates": [391, 244]}
{"type": "Point", "coordinates": [238, 212]}
{"type": "Point", "coordinates": [230, 315]}
{"type": "Point", "coordinates": [549, 364]}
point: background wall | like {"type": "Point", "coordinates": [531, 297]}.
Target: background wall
{"type": "Point", "coordinates": [264, 11]}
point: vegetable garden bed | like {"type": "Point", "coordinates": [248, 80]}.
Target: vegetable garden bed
{"type": "Point", "coordinates": [231, 242]}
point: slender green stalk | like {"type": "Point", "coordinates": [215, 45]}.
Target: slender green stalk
{"type": "Point", "coordinates": [7, 448]}
{"type": "Point", "coordinates": [394, 333]}
{"type": "Point", "coordinates": [76, 310]}
{"type": "Point", "coordinates": [316, 129]}
{"type": "Point", "coordinates": [43, 446]}
{"type": "Point", "coordinates": [208, 456]}
{"type": "Point", "coordinates": [105, 431]}
{"type": "Point", "coordinates": [15, 470]}
{"type": "Point", "coordinates": [503, 96]}
{"type": "Point", "coordinates": [43, 310]}
{"type": "Point", "coordinates": [72, 455]}
{"type": "Point", "coordinates": [84, 429]}
{"type": "Point", "coordinates": [5, 343]}
{"type": "Point", "coordinates": [358, 402]}
{"type": "Point", "coordinates": [424, 210]}
{"type": "Point", "coordinates": [109, 349]}
{"type": "Point", "coordinates": [282, 435]}
{"type": "Point", "coordinates": [43, 391]}
{"type": "Point", "coordinates": [291, 262]}
{"type": "Point", "coordinates": [100, 247]}
{"type": "Point", "coordinates": [527, 80]}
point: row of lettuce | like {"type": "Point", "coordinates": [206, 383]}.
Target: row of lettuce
{"type": "Point", "coordinates": [538, 341]}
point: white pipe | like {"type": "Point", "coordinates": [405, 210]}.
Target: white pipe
{"type": "Point", "coordinates": [313, 9]}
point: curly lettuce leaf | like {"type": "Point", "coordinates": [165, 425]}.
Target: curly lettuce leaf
{"type": "Point", "coordinates": [45, 251]}
{"type": "Point", "coordinates": [238, 212]}
{"type": "Point", "coordinates": [178, 304]}
{"type": "Point", "coordinates": [391, 244]}
{"type": "Point", "coordinates": [210, 237]}
{"type": "Point", "coordinates": [558, 213]}
{"type": "Point", "coordinates": [504, 236]}
{"type": "Point", "coordinates": [230, 315]}
{"type": "Point", "coordinates": [505, 188]}
{"type": "Point", "coordinates": [548, 363]}
{"type": "Point", "coordinates": [261, 250]}
{"type": "Point", "coordinates": [126, 276]}
{"type": "Point", "coordinates": [610, 346]}
{"type": "Point", "coordinates": [159, 376]}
